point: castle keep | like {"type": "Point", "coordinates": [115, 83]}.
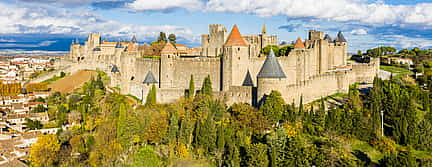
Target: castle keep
{"type": "Point", "coordinates": [314, 68]}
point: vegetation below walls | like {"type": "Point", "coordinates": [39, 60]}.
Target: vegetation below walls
{"type": "Point", "coordinates": [201, 131]}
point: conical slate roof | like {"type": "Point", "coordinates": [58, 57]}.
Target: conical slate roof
{"type": "Point", "coordinates": [235, 38]}
{"type": "Point", "coordinates": [340, 37]}
{"type": "Point", "coordinates": [134, 40]}
{"type": "Point", "coordinates": [271, 68]}
{"type": "Point", "coordinates": [299, 43]}
{"type": "Point", "coordinates": [114, 69]}
{"type": "Point", "coordinates": [328, 38]}
{"type": "Point", "coordinates": [248, 80]}
{"type": "Point", "coordinates": [149, 79]}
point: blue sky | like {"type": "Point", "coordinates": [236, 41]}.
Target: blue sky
{"type": "Point", "coordinates": [52, 24]}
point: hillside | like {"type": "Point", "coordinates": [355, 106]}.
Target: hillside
{"type": "Point", "coordinates": [71, 82]}
{"type": "Point", "coordinates": [201, 131]}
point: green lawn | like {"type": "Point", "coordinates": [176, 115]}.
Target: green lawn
{"type": "Point", "coordinates": [55, 78]}
{"type": "Point", "coordinates": [364, 147]}
{"type": "Point", "coordinates": [394, 69]}
{"type": "Point", "coordinates": [398, 72]}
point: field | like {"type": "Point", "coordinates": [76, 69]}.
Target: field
{"type": "Point", "coordinates": [71, 82]}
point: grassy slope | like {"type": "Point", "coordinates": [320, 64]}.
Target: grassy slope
{"type": "Point", "coordinates": [396, 70]}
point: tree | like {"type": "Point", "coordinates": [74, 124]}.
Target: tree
{"type": "Point", "coordinates": [172, 39]}
{"type": "Point", "coordinates": [256, 155]}
{"type": "Point", "coordinates": [354, 101]}
{"type": "Point", "coordinates": [359, 52]}
{"type": "Point", "coordinates": [207, 86]}
{"type": "Point", "coordinates": [266, 50]}
{"type": "Point", "coordinates": [38, 109]}
{"type": "Point", "coordinates": [32, 124]}
{"type": "Point", "coordinates": [191, 92]}
{"type": "Point", "coordinates": [36, 87]}
{"type": "Point", "coordinates": [44, 151]}
{"type": "Point", "coordinates": [403, 158]}
{"type": "Point", "coordinates": [151, 96]}
{"type": "Point", "coordinates": [273, 107]}
{"type": "Point", "coordinates": [62, 74]}
{"type": "Point", "coordinates": [285, 50]}
{"type": "Point", "coordinates": [162, 37]}
{"type": "Point", "coordinates": [146, 156]}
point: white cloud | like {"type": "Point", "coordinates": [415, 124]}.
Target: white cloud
{"type": "Point", "coordinates": [360, 31]}
{"type": "Point", "coordinates": [68, 3]}
{"type": "Point", "coordinates": [13, 44]}
{"type": "Point", "coordinates": [142, 5]}
{"type": "Point", "coordinates": [362, 11]}
{"type": "Point", "coordinates": [52, 20]}
{"type": "Point", "coordinates": [401, 41]}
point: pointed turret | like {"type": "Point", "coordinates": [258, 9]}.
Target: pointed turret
{"type": "Point", "coordinates": [299, 44]}
{"type": "Point", "coordinates": [264, 30]}
{"type": "Point", "coordinates": [271, 68]}
{"type": "Point", "coordinates": [149, 78]}
{"type": "Point", "coordinates": [340, 37]}
{"type": "Point", "coordinates": [248, 80]}
{"type": "Point", "coordinates": [115, 69]}
{"type": "Point", "coordinates": [328, 38]}
{"type": "Point", "coordinates": [235, 38]}
{"type": "Point", "coordinates": [134, 40]}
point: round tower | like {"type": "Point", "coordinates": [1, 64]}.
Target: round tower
{"type": "Point", "coordinates": [166, 75]}
{"type": "Point", "coordinates": [271, 77]}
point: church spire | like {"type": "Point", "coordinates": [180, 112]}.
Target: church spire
{"type": "Point", "coordinates": [264, 30]}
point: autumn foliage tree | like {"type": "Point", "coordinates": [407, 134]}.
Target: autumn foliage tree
{"type": "Point", "coordinates": [44, 151]}
{"type": "Point", "coordinates": [36, 87]}
{"type": "Point", "coordinates": [11, 89]}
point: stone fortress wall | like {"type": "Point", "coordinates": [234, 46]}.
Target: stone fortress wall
{"type": "Point", "coordinates": [315, 68]}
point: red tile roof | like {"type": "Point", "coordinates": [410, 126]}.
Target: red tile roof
{"type": "Point", "coordinates": [168, 49]}
{"type": "Point", "coordinates": [299, 43]}
{"type": "Point", "coordinates": [235, 38]}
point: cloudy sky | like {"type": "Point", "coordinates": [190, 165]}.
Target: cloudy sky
{"type": "Point", "coordinates": [52, 24]}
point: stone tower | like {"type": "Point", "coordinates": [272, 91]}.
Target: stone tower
{"type": "Point", "coordinates": [93, 41]}
{"type": "Point", "coordinates": [235, 60]}
{"type": "Point", "coordinates": [340, 54]}
{"type": "Point", "coordinates": [270, 77]}
{"type": "Point", "coordinates": [167, 65]}
{"type": "Point", "coordinates": [212, 43]}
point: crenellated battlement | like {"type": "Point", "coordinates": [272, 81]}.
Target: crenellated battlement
{"type": "Point", "coordinates": [315, 68]}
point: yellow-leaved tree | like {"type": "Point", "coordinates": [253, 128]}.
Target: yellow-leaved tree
{"type": "Point", "coordinates": [44, 151]}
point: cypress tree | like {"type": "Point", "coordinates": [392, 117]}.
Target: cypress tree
{"type": "Point", "coordinates": [173, 129]}
{"type": "Point", "coordinates": [207, 88]}
{"type": "Point", "coordinates": [151, 96]}
{"type": "Point", "coordinates": [191, 93]}
{"type": "Point", "coordinates": [162, 37]}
